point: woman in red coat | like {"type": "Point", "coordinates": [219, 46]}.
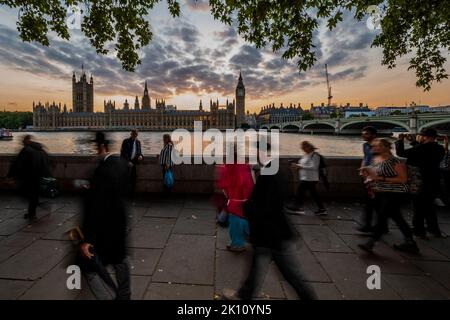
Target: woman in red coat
{"type": "Point", "coordinates": [237, 183]}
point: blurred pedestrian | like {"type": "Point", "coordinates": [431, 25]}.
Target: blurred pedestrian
{"type": "Point", "coordinates": [445, 175]}
{"type": "Point", "coordinates": [131, 152]}
{"type": "Point", "coordinates": [367, 219]}
{"type": "Point", "coordinates": [105, 226]}
{"type": "Point", "coordinates": [30, 166]}
{"type": "Point", "coordinates": [237, 184]}
{"type": "Point", "coordinates": [388, 178]}
{"type": "Point", "coordinates": [272, 237]}
{"type": "Point", "coordinates": [166, 162]}
{"type": "Point", "coordinates": [308, 170]}
{"type": "Point", "coordinates": [425, 154]}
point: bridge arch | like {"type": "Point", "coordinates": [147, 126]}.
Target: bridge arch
{"type": "Point", "coordinates": [291, 127]}
{"type": "Point", "coordinates": [319, 127]}
{"type": "Point", "coordinates": [437, 123]}
{"type": "Point", "coordinates": [383, 126]}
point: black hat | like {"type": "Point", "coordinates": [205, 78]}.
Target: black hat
{"type": "Point", "coordinates": [100, 138]}
{"type": "Point", "coordinates": [429, 132]}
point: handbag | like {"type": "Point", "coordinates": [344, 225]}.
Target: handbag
{"type": "Point", "coordinates": [169, 179]}
{"type": "Point", "coordinates": [415, 182]}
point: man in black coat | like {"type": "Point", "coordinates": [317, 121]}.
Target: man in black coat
{"type": "Point", "coordinates": [426, 155]}
{"type": "Point", "coordinates": [132, 153]}
{"type": "Point", "coordinates": [105, 225]}
{"type": "Point", "coordinates": [30, 166]}
{"type": "Point", "coordinates": [272, 237]}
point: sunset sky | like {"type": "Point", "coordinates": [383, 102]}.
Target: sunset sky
{"type": "Point", "coordinates": [195, 57]}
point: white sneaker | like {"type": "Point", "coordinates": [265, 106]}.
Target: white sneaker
{"type": "Point", "coordinates": [230, 294]}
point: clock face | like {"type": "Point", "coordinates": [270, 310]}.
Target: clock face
{"type": "Point", "coordinates": [240, 92]}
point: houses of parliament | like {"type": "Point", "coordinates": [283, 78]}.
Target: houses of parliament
{"type": "Point", "coordinates": [141, 115]}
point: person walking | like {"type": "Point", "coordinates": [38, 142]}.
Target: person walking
{"type": "Point", "coordinates": [30, 166]}
{"type": "Point", "coordinates": [366, 221]}
{"type": "Point", "coordinates": [308, 167]}
{"type": "Point", "coordinates": [427, 156]}
{"type": "Point", "coordinates": [273, 238]}
{"type": "Point", "coordinates": [165, 160]}
{"type": "Point", "coordinates": [388, 179]}
{"type": "Point", "coordinates": [131, 152]}
{"type": "Point", "coordinates": [237, 184]}
{"type": "Point", "coordinates": [104, 226]}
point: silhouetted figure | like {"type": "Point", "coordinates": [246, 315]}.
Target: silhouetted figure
{"type": "Point", "coordinates": [105, 226]}
{"type": "Point", "coordinates": [132, 153]}
{"type": "Point", "coordinates": [30, 166]}
{"type": "Point", "coordinates": [425, 154]}
{"type": "Point", "coordinates": [272, 238]}
{"type": "Point", "coordinates": [165, 160]}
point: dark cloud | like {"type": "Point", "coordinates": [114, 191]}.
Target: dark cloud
{"type": "Point", "coordinates": [248, 57]}
{"type": "Point", "coordinates": [198, 5]}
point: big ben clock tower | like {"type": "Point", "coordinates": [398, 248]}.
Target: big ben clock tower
{"type": "Point", "coordinates": [240, 102]}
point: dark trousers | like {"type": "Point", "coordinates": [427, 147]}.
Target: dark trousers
{"type": "Point", "coordinates": [308, 186]}
{"type": "Point", "coordinates": [103, 286]}
{"type": "Point", "coordinates": [286, 259]}
{"type": "Point", "coordinates": [30, 191]}
{"type": "Point", "coordinates": [388, 205]}
{"type": "Point", "coordinates": [132, 179]}
{"type": "Point", "coordinates": [425, 211]}
{"type": "Point", "coordinates": [367, 215]}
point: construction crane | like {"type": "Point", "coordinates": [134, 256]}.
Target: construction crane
{"type": "Point", "coordinates": [329, 87]}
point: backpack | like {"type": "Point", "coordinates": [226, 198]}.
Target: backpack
{"type": "Point", "coordinates": [415, 182]}
{"type": "Point", "coordinates": [323, 172]}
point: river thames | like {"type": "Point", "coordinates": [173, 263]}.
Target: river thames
{"type": "Point", "coordinates": [79, 143]}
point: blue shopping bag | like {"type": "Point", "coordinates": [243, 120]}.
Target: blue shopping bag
{"type": "Point", "coordinates": [168, 179]}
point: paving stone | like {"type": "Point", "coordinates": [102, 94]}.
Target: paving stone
{"type": "Point", "coordinates": [35, 260]}
{"type": "Point", "coordinates": [6, 214]}
{"type": "Point", "coordinates": [233, 268]}
{"type": "Point", "coordinates": [139, 285]}
{"type": "Point", "coordinates": [196, 221]}
{"type": "Point", "coordinates": [13, 289]}
{"type": "Point", "coordinates": [222, 238]}
{"type": "Point", "coordinates": [53, 285]}
{"type": "Point", "coordinates": [416, 287]}
{"type": "Point", "coordinates": [310, 266]}
{"type": "Point", "coordinates": [13, 225]}
{"type": "Point", "coordinates": [143, 261]}
{"type": "Point", "coordinates": [187, 259]}
{"type": "Point", "coordinates": [60, 233]}
{"type": "Point", "coordinates": [348, 272]}
{"type": "Point", "coordinates": [439, 271]}
{"type": "Point", "coordinates": [151, 233]}
{"type": "Point", "coordinates": [202, 202]}
{"type": "Point", "coordinates": [343, 226]}
{"type": "Point", "coordinates": [164, 210]}
{"type": "Point", "coordinates": [15, 243]}
{"type": "Point", "coordinates": [324, 291]}
{"type": "Point", "coordinates": [48, 223]}
{"type": "Point", "coordinates": [389, 259]}
{"type": "Point", "coordinates": [322, 238]}
{"type": "Point", "coordinates": [166, 291]}
{"type": "Point", "coordinates": [305, 219]}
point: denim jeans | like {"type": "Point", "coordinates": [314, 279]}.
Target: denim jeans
{"type": "Point", "coordinates": [287, 261]}
{"type": "Point", "coordinates": [238, 229]}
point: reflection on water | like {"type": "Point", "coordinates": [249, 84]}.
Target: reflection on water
{"type": "Point", "coordinates": [81, 143]}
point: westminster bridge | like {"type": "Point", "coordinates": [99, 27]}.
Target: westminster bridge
{"type": "Point", "coordinates": [411, 123]}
